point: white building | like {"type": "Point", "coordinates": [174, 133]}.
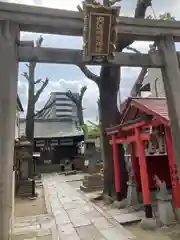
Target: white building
{"type": "Point", "coordinates": [19, 109]}
{"type": "Point", "coordinates": [154, 79]}
{"type": "Point", "coordinates": [58, 121]}
{"type": "Point", "coordinates": [63, 107]}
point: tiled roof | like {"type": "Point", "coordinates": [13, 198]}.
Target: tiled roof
{"type": "Point", "coordinates": [53, 129]}
{"type": "Point", "coordinates": [154, 106]}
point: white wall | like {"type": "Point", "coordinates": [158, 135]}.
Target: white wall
{"type": "Point", "coordinates": [145, 94]}
{"type": "Point", "coordinates": [16, 132]}
{"type": "Point", "coordinates": [17, 125]}
{"type": "Point", "coordinates": [154, 77]}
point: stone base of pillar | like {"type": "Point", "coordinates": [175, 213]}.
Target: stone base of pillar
{"type": "Point", "coordinates": [132, 197]}
{"type": "Point", "coordinates": [177, 214]}
{"type": "Point", "coordinates": [148, 224]}
{"type": "Point", "coordinates": [165, 211]}
{"type": "Point", "coordinates": [120, 204]}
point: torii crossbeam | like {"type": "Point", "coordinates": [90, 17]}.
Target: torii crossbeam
{"type": "Point", "coordinates": [15, 18]}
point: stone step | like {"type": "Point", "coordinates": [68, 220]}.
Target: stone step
{"type": "Point", "coordinates": [25, 189]}
{"type": "Point", "coordinates": [93, 177]}
{"type": "Point", "coordinates": [90, 188]}
{"type": "Point", "coordinates": [92, 183]}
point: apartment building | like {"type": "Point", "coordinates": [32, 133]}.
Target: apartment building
{"type": "Point", "coordinates": [63, 107]}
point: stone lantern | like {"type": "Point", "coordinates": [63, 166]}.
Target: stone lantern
{"type": "Point", "coordinates": [94, 181]}
{"type": "Point", "coordinates": [23, 165]}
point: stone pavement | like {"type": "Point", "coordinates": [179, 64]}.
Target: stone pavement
{"type": "Point", "coordinates": [71, 216]}
{"type": "Point", "coordinates": [33, 228]}
{"type": "Point", "coordinates": [75, 216]}
{"type": "Point", "coordinates": [123, 216]}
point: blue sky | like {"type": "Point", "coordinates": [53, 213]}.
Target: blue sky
{"type": "Point", "coordinates": [64, 77]}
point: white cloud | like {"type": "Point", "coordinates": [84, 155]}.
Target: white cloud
{"type": "Point", "coordinates": [59, 4]}
{"type": "Point", "coordinates": [27, 2]}
{"type": "Point", "coordinates": [143, 47]}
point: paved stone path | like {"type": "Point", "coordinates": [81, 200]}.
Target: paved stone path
{"type": "Point", "coordinates": [75, 217]}
{"type": "Point", "coordinates": [33, 228]}
{"type": "Point", "coordinates": [71, 216]}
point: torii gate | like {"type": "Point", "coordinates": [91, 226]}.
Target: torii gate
{"type": "Point", "coordinates": [15, 18]}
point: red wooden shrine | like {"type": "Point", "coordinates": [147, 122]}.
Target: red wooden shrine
{"type": "Point", "coordinates": [144, 125]}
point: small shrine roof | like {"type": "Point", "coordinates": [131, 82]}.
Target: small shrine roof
{"type": "Point", "coordinates": [135, 110]}
{"type": "Point", "coordinates": [156, 107]}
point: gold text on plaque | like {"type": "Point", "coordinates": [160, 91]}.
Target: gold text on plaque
{"type": "Point", "coordinates": [99, 34]}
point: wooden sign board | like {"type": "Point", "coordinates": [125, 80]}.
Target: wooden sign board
{"type": "Point", "coordinates": [99, 36]}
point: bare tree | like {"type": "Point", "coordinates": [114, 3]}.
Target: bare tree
{"type": "Point", "coordinates": [32, 95]}
{"type": "Point", "coordinates": [164, 16]}
{"type": "Point", "coordinates": [78, 102]}
{"type": "Point", "coordinates": [108, 84]}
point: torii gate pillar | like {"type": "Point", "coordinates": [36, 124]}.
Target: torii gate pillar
{"type": "Point", "coordinates": [171, 78]}
{"type": "Point", "coordinates": [9, 34]}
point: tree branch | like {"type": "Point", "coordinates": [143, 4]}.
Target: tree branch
{"type": "Point", "coordinates": [27, 65]}
{"type": "Point", "coordinates": [140, 12]}
{"type": "Point", "coordinates": [133, 49]}
{"type": "Point", "coordinates": [89, 74]}
{"type": "Point", "coordinates": [83, 90]}
{"type": "Point", "coordinates": [112, 2]}
{"type": "Point", "coordinates": [138, 82]}
{"type": "Point", "coordinates": [79, 8]}
{"type": "Point", "coordinates": [166, 16]}
{"type": "Point", "coordinates": [141, 7]}
{"type": "Point", "coordinates": [70, 95]}
{"type": "Point", "coordinates": [24, 74]}
{"type": "Point", "coordinates": [44, 108]}
{"type": "Point", "coordinates": [38, 93]}
{"type": "Point", "coordinates": [39, 41]}
{"type": "Point", "coordinates": [38, 81]}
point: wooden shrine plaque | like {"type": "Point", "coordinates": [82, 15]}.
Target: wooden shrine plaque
{"type": "Point", "coordinates": [99, 37]}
